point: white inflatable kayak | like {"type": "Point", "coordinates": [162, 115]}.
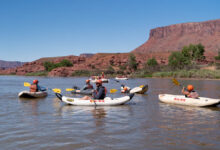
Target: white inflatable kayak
{"type": "Point", "coordinates": [105, 102]}
{"type": "Point", "coordinates": [27, 94]}
{"type": "Point", "coordinates": [118, 78]}
{"type": "Point", "coordinates": [103, 80]}
{"type": "Point", "coordinates": [139, 90]}
{"type": "Point", "coordinates": [182, 100]}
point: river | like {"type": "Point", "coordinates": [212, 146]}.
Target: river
{"type": "Point", "coordinates": [142, 123]}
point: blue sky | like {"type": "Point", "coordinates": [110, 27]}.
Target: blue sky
{"type": "Point", "coordinates": [31, 29]}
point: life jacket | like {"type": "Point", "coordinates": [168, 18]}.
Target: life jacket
{"type": "Point", "coordinates": [125, 89]}
{"type": "Point", "coordinates": [193, 94]}
{"type": "Point", "coordinates": [33, 88]}
{"type": "Point", "coordinates": [103, 94]}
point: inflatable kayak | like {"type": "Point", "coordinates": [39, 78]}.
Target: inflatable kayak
{"type": "Point", "coordinates": [105, 102]}
{"type": "Point", "coordinates": [118, 78]}
{"type": "Point", "coordinates": [139, 90]}
{"type": "Point", "coordinates": [27, 94]}
{"type": "Point", "coordinates": [103, 80]}
{"type": "Point", "coordinates": [182, 100]}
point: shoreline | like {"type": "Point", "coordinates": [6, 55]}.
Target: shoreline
{"type": "Point", "coordinates": [179, 78]}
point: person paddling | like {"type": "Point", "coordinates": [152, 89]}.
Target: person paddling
{"type": "Point", "coordinates": [190, 92]}
{"type": "Point", "coordinates": [87, 86]}
{"type": "Point", "coordinates": [103, 75]}
{"type": "Point", "coordinates": [99, 93]}
{"type": "Point", "coordinates": [35, 87]}
{"type": "Point", "coordinates": [125, 89]}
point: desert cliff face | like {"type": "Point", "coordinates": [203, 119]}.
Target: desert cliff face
{"type": "Point", "coordinates": [174, 37]}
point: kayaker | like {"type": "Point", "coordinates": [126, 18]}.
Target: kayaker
{"type": "Point", "coordinates": [35, 87]}
{"type": "Point", "coordinates": [87, 86]}
{"type": "Point", "coordinates": [125, 89]}
{"type": "Point", "coordinates": [103, 75]}
{"type": "Point", "coordinates": [99, 93]}
{"type": "Point", "coordinates": [190, 92]}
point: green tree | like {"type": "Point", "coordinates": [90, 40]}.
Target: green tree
{"type": "Point", "coordinates": [49, 66]}
{"type": "Point", "coordinates": [66, 63]}
{"type": "Point", "coordinates": [194, 52]}
{"type": "Point", "coordinates": [132, 62]}
{"type": "Point", "coordinates": [198, 52]}
{"type": "Point", "coordinates": [178, 61]}
{"type": "Point", "coordinates": [218, 57]}
{"type": "Point", "coordinates": [151, 65]}
{"type": "Point", "coordinates": [152, 62]}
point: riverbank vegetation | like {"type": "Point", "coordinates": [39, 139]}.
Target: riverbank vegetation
{"type": "Point", "coordinates": [188, 63]}
{"type": "Point", "coordinates": [49, 66]}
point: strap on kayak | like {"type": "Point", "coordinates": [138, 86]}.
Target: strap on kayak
{"type": "Point", "coordinates": [131, 95]}
{"type": "Point", "coordinates": [59, 96]}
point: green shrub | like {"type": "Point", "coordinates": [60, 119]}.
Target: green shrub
{"type": "Point", "coordinates": [50, 66]}
{"type": "Point", "coordinates": [217, 57]}
{"type": "Point", "coordinates": [178, 61]}
{"type": "Point", "coordinates": [132, 63]}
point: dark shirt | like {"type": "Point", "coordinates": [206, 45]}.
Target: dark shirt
{"type": "Point", "coordinates": [40, 88]}
{"type": "Point", "coordinates": [99, 93]}
{"type": "Point", "coordinates": [86, 87]}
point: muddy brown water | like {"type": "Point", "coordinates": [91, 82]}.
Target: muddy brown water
{"type": "Point", "coordinates": [143, 123]}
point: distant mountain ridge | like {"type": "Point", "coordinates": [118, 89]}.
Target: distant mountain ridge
{"type": "Point", "coordinates": [10, 64]}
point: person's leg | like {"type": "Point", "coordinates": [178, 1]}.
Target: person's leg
{"type": "Point", "coordinates": [85, 98]}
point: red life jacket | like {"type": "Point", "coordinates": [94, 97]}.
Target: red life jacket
{"type": "Point", "coordinates": [33, 88]}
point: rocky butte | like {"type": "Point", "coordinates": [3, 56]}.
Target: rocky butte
{"type": "Point", "coordinates": [164, 40]}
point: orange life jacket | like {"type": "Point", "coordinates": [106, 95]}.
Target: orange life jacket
{"type": "Point", "coordinates": [33, 88]}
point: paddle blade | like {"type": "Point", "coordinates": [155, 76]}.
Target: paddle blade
{"type": "Point", "coordinates": [57, 90]}
{"type": "Point", "coordinates": [175, 82]}
{"type": "Point", "coordinates": [113, 90]}
{"type": "Point", "coordinates": [27, 84]}
{"type": "Point", "coordinates": [141, 86]}
{"type": "Point", "coordinates": [70, 90]}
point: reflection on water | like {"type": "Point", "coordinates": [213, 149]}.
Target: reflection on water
{"type": "Point", "coordinates": [143, 123]}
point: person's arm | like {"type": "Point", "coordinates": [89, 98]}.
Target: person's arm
{"type": "Point", "coordinates": [83, 88]}
{"type": "Point", "coordinates": [40, 88]}
{"type": "Point", "coordinates": [99, 94]}
{"type": "Point", "coordinates": [184, 92]}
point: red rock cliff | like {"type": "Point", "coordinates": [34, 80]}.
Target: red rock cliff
{"type": "Point", "coordinates": [174, 37]}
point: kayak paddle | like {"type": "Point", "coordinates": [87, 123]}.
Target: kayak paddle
{"type": "Point", "coordinates": [141, 86]}
{"type": "Point", "coordinates": [70, 89]}
{"type": "Point", "coordinates": [27, 84]}
{"type": "Point", "coordinates": [113, 90]}
{"type": "Point", "coordinates": [176, 82]}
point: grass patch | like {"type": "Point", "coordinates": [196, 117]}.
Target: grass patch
{"type": "Point", "coordinates": [189, 74]}
{"type": "Point", "coordinates": [40, 73]}
{"type": "Point", "coordinates": [79, 73]}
